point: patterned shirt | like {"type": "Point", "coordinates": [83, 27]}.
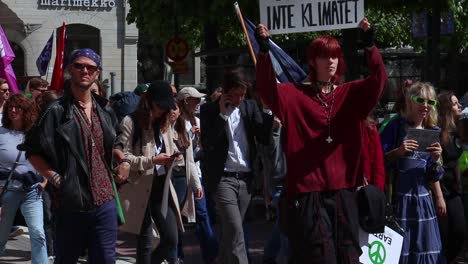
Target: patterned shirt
{"type": "Point", "coordinates": [100, 185]}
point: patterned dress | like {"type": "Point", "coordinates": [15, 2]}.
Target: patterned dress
{"type": "Point", "coordinates": [414, 207]}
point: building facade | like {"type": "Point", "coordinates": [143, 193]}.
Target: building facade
{"type": "Point", "coordinates": [97, 24]}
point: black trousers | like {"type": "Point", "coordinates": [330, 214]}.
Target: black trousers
{"type": "Point", "coordinates": [452, 228]}
{"type": "Point", "coordinates": [167, 228]}
{"type": "Point", "coordinates": [322, 227]}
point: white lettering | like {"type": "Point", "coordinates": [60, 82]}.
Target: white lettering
{"type": "Point", "coordinates": [77, 2]}
{"type": "Point", "coordinates": [62, 2]}
{"type": "Point", "coordinates": [45, 2]}
{"type": "Point", "coordinates": [55, 3]}
{"type": "Point", "coordinates": [111, 3]}
{"type": "Point", "coordinates": [94, 3]}
{"type": "Point", "coordinates": [104, 3]}
{"type": "Point", "coordinates": [86, 3]}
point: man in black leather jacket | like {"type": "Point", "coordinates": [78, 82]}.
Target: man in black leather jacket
{"type": "Point", "coordinates": [70, 145]}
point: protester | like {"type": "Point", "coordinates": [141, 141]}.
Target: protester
{"type": "Point", "coordinates": [229, 128]}
{"type": "Point", "coordinates": [188, 100]}
{"type": "Point", "coordinates": [374, 167]}
{"type": "Point", "coordinates": [4, 94]}
{"type": "Point", "coordinates": [414, 208]}
{"type": "Point", "coordinates": [322, 121]}
{"type": "Point", "coordinates": [24, 190]}
{"type": "Point", "coordinates": [72, 147]}
{"type": "Point", "coordinates": [452, 226]}
{"type": "Point", "coordinates": [98, 89]}
{"type": "Point", "coordinates": [37, 86]}
{"type": "Point", "coordinates": [148, 148]}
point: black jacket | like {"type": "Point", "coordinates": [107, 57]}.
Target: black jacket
{"type": "Point", "coordinates": [57, 138]}
{"type": "Point", "coordinates": [215, 141]}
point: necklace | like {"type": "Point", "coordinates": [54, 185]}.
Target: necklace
{"type": "Point", "coordinates": [328, 111]}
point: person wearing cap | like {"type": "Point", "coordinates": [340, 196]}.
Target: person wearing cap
{"type": "Point", "coordinates": [149, 195]}
{"type": "Point", "coordinates": [188, 100]}
{"type": "Point", "coordinates": [230, 128]}
{"type": "Point", "coordinates": [71, 145]}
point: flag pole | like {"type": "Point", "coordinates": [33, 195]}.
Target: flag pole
{"type": "Point", "coordinates": [247, 39]}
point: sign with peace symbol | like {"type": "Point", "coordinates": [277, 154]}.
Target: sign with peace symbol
{"type": "Point", "coordinates": [377, 253]}
{"type": "Point", "coordinates": [177, 49]}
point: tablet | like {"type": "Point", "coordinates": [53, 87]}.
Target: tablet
{"type": "Point", "coordinates": [424, 137]}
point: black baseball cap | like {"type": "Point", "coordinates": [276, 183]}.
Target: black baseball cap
{"type": "Point", "coordinates": [160, 92]}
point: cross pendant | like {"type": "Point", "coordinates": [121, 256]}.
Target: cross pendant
{"type": "Point", "coordinates": [329, 140]}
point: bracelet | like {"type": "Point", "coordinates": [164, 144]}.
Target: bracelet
{"type": "Point", "coordinates": [54, 177]}
{"type": "Point", "coordinates": [124, 160]}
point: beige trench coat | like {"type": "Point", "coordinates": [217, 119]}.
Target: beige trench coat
{"type": "Point", "coordinates": [134, 196]}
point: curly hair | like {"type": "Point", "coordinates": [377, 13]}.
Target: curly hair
{"type": "Point", "coordinates": [28, 106]}
{"type": "Point", "coordinates": [425, 90]}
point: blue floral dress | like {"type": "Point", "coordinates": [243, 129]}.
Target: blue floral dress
{"type": "Point", "coordinates": [414, 207]}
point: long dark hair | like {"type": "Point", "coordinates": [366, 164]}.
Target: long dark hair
{"type": "Point", "coordinates": [447, 120]}
{"type": "Point", "coordinates": [183, 140]}
{"type": "Point", "coordinates": [143, 115]}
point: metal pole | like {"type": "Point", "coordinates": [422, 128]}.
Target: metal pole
{"type": "Point", "coordinates": [112, 74]}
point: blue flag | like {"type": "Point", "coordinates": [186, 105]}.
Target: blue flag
{"type": "Point", "coordinates": [43, 60]}
{"type": "Point", "coordinates": [287, 70]}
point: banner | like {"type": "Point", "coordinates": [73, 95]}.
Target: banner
{"type": "Point", "coordinates": [43, 60]}
{"type": "Point", "coordinates": [57, 82]}
{"type": "Point", "coordinates": [292, 16]}
{"type": "Point", "coordinates": [6, 57]}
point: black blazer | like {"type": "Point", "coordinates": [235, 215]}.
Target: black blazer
{"type": "Point", "coordinates": [215, 143]}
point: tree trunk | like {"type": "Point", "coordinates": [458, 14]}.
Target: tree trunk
{"type": "Point", "coordinates": [211, 42]}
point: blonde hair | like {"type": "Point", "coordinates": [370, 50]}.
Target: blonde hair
{"type": "Point", "coordinates": [425, 90]}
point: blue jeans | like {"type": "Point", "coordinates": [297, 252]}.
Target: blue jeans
{"type": "Point", "coordinates": [96, 230]}
{"type": "Point", "coordinates": [30, 204]}
{"type": "Point", "coordinates": [204, 231]}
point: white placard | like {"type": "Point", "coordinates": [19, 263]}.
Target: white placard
{"type": "Point", "coordinates": [384, 248]}
{"type": "Point", "coordinates": [292, 16]}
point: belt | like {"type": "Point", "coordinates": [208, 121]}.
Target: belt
{"type": "Point", "coordinates": [237, 174]}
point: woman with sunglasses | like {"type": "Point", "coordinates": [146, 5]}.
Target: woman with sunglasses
{"type": "Point", "coordinates": [414, 209]}
{"type": "Point", "coordinates": [148, 152]}
{"type": "Point", "coordinates": [452, 226]}
{"type": "Point", "coordinates": [24, 190]}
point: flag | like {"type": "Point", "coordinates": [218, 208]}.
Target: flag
{"type": "Point", "coordinates": [6, 57]}
{"type": "Point", "coordinates": [57, 82]}
{"type": "Point", "coordinates": [43, 60]}
{"type": "Point", "coordinates": [287, 70]}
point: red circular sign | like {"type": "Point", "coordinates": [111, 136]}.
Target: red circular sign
{"type": "Point", "coordinates": [177, 49]}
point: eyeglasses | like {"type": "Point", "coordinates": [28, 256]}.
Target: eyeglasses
{"type": "Point", "coordinates": [40, 90]}
{"type": "Point", "coordinates": [5, 90]}
{"type": "Point", "coordinates": [90, 68]}
{"type": "Point", "coordinates": [420, 100]}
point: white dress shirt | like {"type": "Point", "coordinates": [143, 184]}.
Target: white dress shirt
{"type": "Point", "coordinates": [238, 152]}
{"type": "Point", "coordinates": [157, 150]}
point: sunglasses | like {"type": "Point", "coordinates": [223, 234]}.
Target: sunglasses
{"type": "Point", "coordinates": [80, 66]}
{"type": "Point", "coordinates": [420, 100]}
{"type": "Point", "coordinates": [40, 90]}
{"type": "Point", "coordinates": [4, 90]}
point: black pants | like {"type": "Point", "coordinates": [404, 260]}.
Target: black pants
{"type": "Point", "coordinates": [49, 225]}
{"type": "Point", "coordinates": [167, 227]}
{"type": "Point", "coordinates": [452, 228]}
{"type": "Point", "coordinates": [322, 227]}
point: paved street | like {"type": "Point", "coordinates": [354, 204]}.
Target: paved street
{"type": "Point", "coordinates": [19, 249]}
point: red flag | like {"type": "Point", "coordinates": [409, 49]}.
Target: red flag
{"type": "Point", "coordinates": [57, 81]}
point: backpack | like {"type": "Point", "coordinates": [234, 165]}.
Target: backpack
{"type": "Point", "coordinates": [124, 103]}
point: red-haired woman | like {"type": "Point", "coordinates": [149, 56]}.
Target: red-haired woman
{"type": "Point", "coordinates": [323, 124]}
{"type": "Point", "coordinates": [24, 189]}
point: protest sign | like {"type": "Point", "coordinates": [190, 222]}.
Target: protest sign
{"type": "Point", "coordinates": [290, 16]}
{"type": "Point", "coordinates": [380, 248]}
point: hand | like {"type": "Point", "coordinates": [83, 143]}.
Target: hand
{"type": "Point", "coordinates": [436, 151]}
{"type": "Point", "coordinates": [199, 194]}
{"type": "Point", "coordinates": [224, 103]}
{"type": "Point", "coordinates": [407, 146]}
{"type": "Point", "coordinates": [195, 130]}
{"type": "Point", "coordinates": [122, 172]}
{"type": "Point", "coordinates": [262, 36]}
{"type": "Point", "coordinates": [276, 122]}
{"type": "Point", "coordinates": [441, 208]}
{"type": "Point", "coordinates": [364, 24]}
{"type": "Point", "coordinates": [43, 184]}
{"type": "Point", "coordinates": [368, 36]}
{"type": "Point", "coordinates": [163, 159]}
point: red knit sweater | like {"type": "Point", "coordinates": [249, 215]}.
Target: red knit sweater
{"type": "Point", "coordinates": [313, 164]}
{"type": "Point", "coordinates": [373, 158]}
